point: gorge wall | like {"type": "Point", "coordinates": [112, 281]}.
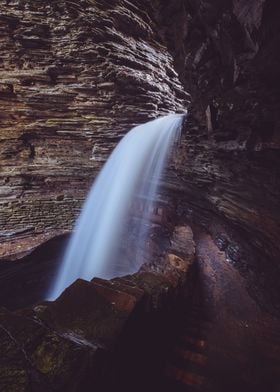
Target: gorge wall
{"type": "Point", "coordinates": [229, 61]}
{"type": "Point", "coordinates": [77, 75]}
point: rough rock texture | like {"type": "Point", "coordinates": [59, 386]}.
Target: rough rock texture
{"type": "Point", "coordinates": [37, 358]}
{"type": "Point", "coordinates": [75, 76]}
{"type": "Point", "coordinates": [225, 342]}
{"type": "Point", "coordinates": [227, 170]}
{"type": "Point", "coordinates": [75, 343]}
{"type": "Point", "coordinates": [25, 282]}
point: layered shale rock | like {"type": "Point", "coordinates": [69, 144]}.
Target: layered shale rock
{"type": "Point", "coordinates": [83, 340]}
{"type": "Point", "coordinates": [227, 170]}
{"type": "Point", "coordinates": [75, 77]}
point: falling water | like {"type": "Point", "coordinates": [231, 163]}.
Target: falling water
{"type": "Point", "coordinates": [133, 170]}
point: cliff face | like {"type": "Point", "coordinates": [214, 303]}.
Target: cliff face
{"type": "Point", "coordinates": [75, 77]}
{"type": "Point", "coordinates": [226, 53]}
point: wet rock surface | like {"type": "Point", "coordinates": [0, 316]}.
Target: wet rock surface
{"type": "Point", "coordinates": [78, 341]}
{"type": "Point", "coordinates": [227, 169]}
{"type": "Point", "coordinates": [75, 77]}
{"type": "Point", "coordinates": [225, 342]}
{"type": "Point", "coordinates": [37, 358]}
{"type": "Point", "coordinates": [72, 86]}
{"type": "Point", "coordinates": [25, 282]}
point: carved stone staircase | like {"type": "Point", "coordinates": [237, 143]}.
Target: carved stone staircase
{"type": "Point", "coordinates": [185, 367]}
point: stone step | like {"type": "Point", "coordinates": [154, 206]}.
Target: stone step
{"type": "Point", "coordinates": [194, 331]}
{"type": "Point", "coordinates": [120, 299]}
{"type": "Point", "coordinates": [194, 323]}
{"type": "Point", "coordinates": [186, 365]}
{"type": "Point", "coordinates": [193, 343]}
{"type": "Point", "coordinates": [190, 356]}
{"type": "Point", "coordinates": [120, 286]}
{"type": "Point", "coordinates": [185, 377]}
{"type": "Point", "coordinates": [197, 317]}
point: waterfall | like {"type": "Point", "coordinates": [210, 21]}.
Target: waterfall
{"type": "Point", "coordinates": [132, 171]}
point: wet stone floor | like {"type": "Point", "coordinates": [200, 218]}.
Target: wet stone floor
{"type": "Point", "coordinates": [226, 342]}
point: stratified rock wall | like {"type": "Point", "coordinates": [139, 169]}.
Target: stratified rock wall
{"type": "Point", "coordinates": [228, 169]}
{"type": "Point", "coordinates": [74, 77]}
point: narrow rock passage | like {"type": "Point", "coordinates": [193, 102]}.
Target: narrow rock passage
{"type": "Point", "coordinates": [227, 343]}
{"type": "Point", "coordinates": [186, 366]}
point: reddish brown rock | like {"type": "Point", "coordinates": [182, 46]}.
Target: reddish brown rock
{"type": "Point", "coordinates": [40, 359]}
{"type": "Point", "coordinates": [74, 79]}
{"type": "Point", "coordinates": [75, 342]}
{"type": "Point", "coordinates": [226, 175]}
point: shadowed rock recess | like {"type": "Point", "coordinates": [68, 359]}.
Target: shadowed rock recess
{"type": "Point", "coordinates": [75, 77]}
{"type": "Point", "coordinates": [228, 169]}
